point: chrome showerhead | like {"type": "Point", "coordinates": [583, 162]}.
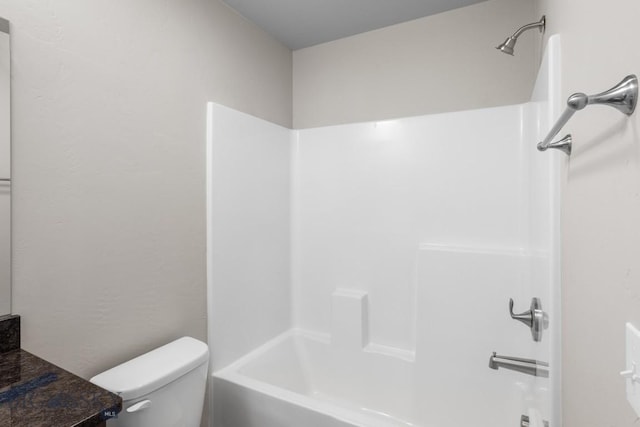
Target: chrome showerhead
{"type": "Point", "coordinates": [507, 46]}
{"type": "Point", "coordinates": [509, 43]}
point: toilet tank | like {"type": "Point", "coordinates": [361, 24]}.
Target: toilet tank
{"type": "Point", "coordinates": [164, 387]}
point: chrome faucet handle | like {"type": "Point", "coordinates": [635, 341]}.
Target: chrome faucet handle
{"type": "Point", "coordinates": [526, 317]}
{"type": "Point", "coordinates": [534, 318]}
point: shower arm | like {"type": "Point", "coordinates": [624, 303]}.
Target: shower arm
{"type": "Point", "coordinates": [540, 24]}
{"type": "Point", "coordinates": [622, 97]}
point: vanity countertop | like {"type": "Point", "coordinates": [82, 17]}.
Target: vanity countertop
{"type": "Point", "coordinates": [36, 393]}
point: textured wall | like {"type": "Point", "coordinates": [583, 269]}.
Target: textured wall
{"type": "Point", "coordinates": [445, 62]}
{"type": "Point", "coordinates": [601, 207]}
{"type": "Point", "coordinates": [109, 165]}
{"type": "Point", "coordinates": [5, 172]}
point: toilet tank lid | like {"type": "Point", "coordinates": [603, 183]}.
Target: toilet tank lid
{"type": "Point", "coordinates": [152, 370]}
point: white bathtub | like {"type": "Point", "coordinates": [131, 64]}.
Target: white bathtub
{"type": "Point", "coordinates": [300, 380]}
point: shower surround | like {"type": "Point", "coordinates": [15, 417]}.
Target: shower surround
{"type": "Point", "coordinates": [359, 275]}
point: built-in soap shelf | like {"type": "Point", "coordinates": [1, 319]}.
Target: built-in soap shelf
{"type": "Point", "coordinates": [350, 326]}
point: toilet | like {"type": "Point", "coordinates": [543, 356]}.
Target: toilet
{"type": "Point", "coordinates": [164, 387]}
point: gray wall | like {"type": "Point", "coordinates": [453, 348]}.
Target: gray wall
{"type": "Point", "coordinates": [109, 101]}
{"type": "Point", "coordinates": [5, 172]}
{"type": "Point", "coordinates": [601, 210]}
{"type": "Point", "coordinates": [445, 62]}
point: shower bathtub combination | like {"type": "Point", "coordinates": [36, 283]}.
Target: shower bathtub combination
{"type": "Point", "coordinates": [360, 275]}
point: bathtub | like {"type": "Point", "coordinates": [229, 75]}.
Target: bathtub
{"type": "Point", "coordinates": [300, 380]}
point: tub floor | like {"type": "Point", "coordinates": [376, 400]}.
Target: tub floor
{"type": "Point", "coordinates": [388, 419]}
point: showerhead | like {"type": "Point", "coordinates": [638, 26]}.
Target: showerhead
{"type": "Point", "coordinates": [507, 46]}
{"type": "Point", "coordinates": [510, 42]}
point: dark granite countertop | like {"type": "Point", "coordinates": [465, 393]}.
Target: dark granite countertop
{"type": "Point", "coordinates": [36, 393]}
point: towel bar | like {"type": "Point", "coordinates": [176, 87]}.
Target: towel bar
{"type": "Point", "coordinates": [623, 97]}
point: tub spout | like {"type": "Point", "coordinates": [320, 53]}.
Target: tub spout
{"type": "Point", "coordinates": [526, 366]}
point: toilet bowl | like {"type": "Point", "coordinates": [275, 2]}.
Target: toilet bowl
{"type": "Point", "coordinates": [164, 387]}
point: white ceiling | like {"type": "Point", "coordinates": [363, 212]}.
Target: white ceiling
{"type": "Point", "coordinates": [303, 23]}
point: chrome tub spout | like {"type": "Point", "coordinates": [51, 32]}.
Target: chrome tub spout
{"type": "Point", "coordinates": [526, 366]}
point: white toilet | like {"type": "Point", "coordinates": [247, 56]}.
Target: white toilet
{"type": "Point", "coordinates": [164, 387]}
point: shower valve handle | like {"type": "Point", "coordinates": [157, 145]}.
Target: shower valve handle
{"type": "Point", "coordinates": [526, 317]}
{"type": "Point", "coordinates": [534, 318]}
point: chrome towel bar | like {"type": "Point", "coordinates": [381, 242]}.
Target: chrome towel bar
{"type": "Point", "coordinates": [623, 97]}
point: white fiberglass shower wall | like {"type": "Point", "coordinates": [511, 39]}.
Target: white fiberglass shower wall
{"type": "Point", "coordinates": [359, 275]}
